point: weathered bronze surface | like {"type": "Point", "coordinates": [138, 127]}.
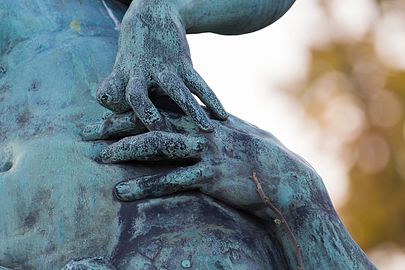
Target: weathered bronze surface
{"type": "Point", "coordinates": [185, 198]}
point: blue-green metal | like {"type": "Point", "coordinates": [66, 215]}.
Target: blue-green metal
{"type": "Point", "coordinates": [153, 51]}
{"type": "Point", "coordinates": [59, 203]}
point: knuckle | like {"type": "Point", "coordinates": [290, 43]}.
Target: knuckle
{"type": "Point", "coordinates": [104, 97]}
{"type": "Point", "coordinates": [104, 92]}
{"type": "Point", "coordinates": [111, 94]}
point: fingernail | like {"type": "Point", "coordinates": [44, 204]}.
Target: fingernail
{"type": "Point", "coordinates": [207, 127]}
{"type": "Point", "coordinates": [122, 190]}
{"type": "Point", "coordinates": [223, 114]}
{"type": "Point", "coordinates": [106, 155]}
{"type": "Point", "coordinates": [127, 191]}
{"type": "Point", "coordinates": [91, 132]}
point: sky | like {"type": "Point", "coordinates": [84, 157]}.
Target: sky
{"type": "Point", "coordinates": [247, 72]}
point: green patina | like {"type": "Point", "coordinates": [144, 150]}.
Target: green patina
{"type": "Point", "coordinates": [59, 198]}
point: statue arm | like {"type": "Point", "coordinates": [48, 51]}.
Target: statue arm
{"type": "Point", "coordinates": [230, 17]}
{"type": "Point", "coordinates": [324, 241]}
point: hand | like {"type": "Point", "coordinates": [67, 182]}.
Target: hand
{"type": "Point", "coordinates": [224, 162]}
{"type": "Point", "coordinates": [222, 166]}
{"type": "Point", "coordinates": [153, 52]}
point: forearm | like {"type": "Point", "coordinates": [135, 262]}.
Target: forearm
{"type": "Point", "coordinates": [304, 216]}
{"type": "Point", "coordinates": [324, 241]}
{"type": "Point", "coordinates": [231, 16]}
{"type": "Point", "coordinates": [220, 16]}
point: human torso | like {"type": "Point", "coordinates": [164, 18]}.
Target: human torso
{"type": "Point", "coordinates": [56, 200]}
{"type": "Point", "coordinates": [53, 194]}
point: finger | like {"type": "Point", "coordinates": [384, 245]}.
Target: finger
{"type": "Point", "coordinates": [164, 184]}
{"type": "Point", "coordinates": [138, 99]}
{"type": "Point", "coordinates": [200, 88]}
{"type": "Point", "coordinates": [116, 125]}
{"type": "Point", "coordinates": [111, 93]}
{"type": "Point", "coordinates": [178, 91]}
{"type": "Point", "coordinates": [154, 145]}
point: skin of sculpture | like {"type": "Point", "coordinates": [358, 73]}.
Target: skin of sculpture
{"type": "Point", "coordinates": [221, 166]}
{"type": "Point", "coordinates": [189, 231]}
{"type": "Point", "coordinates": [56, 200]}
{"type": "Point", "coordinates": [56, 194]}
{"type": "Point", "coordinates": [53, 54]}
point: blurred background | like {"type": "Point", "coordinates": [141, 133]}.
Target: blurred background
{"type": "Point", "coordinates": [328, 79]}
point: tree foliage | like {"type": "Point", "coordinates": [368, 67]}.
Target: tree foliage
{"type": "Point", "coordinates": [357, 97]}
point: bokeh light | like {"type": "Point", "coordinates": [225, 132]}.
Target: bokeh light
{"type": "Point", "coordinates": [328, 79]}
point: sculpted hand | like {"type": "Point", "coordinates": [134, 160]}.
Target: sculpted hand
{"type": "Point", "coordinates": [223, 163]}
{"type": "Point", "coordinates": [153, 52]}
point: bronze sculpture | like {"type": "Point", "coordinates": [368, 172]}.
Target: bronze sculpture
{"type": "Point", "coordinates": [56, 193]}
